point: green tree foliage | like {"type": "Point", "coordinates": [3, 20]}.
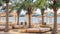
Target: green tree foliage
{"type": "Point", "coordinates": [40, 3]}
{"type": "Point", "coordinates": [57, 5]}
{"type": "Point", "coordinates": [0, 2]}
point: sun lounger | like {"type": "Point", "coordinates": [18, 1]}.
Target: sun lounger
{"type": "Point", "coordinates": [34, 30]}
{"type": "Point", "coordinates": [45, 26]}
{"type": "Point", "coordinates": [16, 26]}
{"type": "Point", "coordinates": [37, 30]}
{"type": "Point", "coordinates": [22, 30]}
{"type": "Point", "coordinates": [2, 28]}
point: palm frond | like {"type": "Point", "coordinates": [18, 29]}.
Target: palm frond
{"type": "Point", "coordinates": [40, 3]}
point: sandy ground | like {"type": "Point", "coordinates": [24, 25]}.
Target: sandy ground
{"type": "Point", "coordinates": [1, 32]}
{"type": "Point", "coordinates": [16, 31]}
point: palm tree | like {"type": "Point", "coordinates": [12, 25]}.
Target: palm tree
{"type": "Point", "coordinates": [55, 21]}
{"type": "Point", "coordinates": [24, 5]}
{"type": "Point", "coordinates": [29, 7]}
{"type": "Point", "coordinates": [42, 12]}
{"type": "Point", "coordinates": [55, 5]}
{"type": "Point", "coordinates": [41, 5]}
{"type": "Point", "coordinates": [0, 2]}
{"type": "Point", "coordinates": [6, 28]}
{"type": "Point", "coordinates": [29, 16]}
{"type": "Point", "coordinates": [19, 11]}
{"type": "Point", "coordinates": [7, 1]}
{"type": "Point", "coordinates": [18, 6]}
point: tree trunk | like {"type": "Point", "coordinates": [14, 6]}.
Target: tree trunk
{"type": "Point", "coordinates": [6, 27]}
{"type": "Point", "coordinates": [42, 12]}
{"type": "Point", "coordinates": [42, 19]}
{"type": "Point", "coordinates": [29, 16]}
{"type": "Point", "coordinates": [55, 21]}
{"type": "Point", "coordinates": [18, 19]}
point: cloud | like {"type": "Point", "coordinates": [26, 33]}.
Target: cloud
{"type": "Point", "coordinates": [38, 11]}
{"type": "Point", "coordinates": [34, 0]}
{"type": "Point", "coordinates": [23, 12]}
{"type": "Point", "coordinates": [58, 11]}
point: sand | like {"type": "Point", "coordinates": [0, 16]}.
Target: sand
{"type": "Point", "coordinates": [17, 32]}
{"type": "Point", "coordinates": [13, 32]}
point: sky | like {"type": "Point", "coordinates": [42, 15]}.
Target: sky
{"type": "Point", "coordinates": [38, 11]}
{"type": "Point", "coordinates": [23, 12]}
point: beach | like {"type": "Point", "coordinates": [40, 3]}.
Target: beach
{"type": "Point", "coordinates": [34, 20]}
{"type": "Point", "coordinates": [16, 31]}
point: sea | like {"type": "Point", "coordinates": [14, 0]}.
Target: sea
{"type": "Point", "coordinates": [33, 19]}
